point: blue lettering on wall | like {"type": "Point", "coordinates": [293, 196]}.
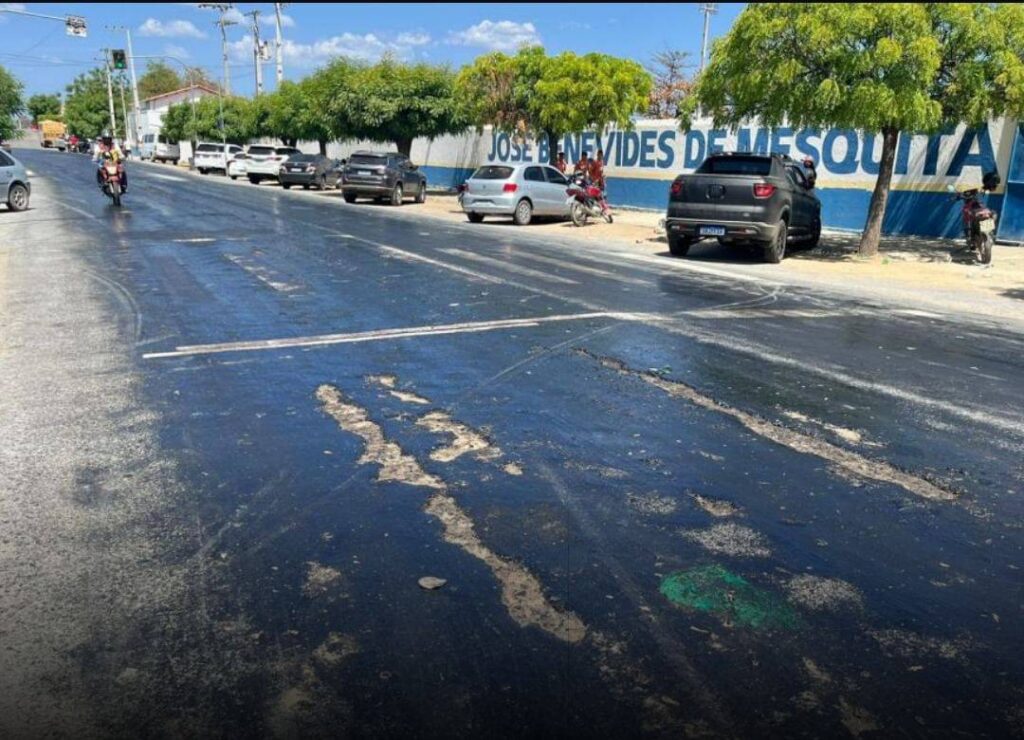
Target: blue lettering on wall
{"type": "Point", "coordinates": [502, 147]}
{"type": "Point", "coordinates": [666, 141]}
{"type": "Point", "coordinates": [848, 164]}
{"type": "Point", "coordinates": [807, 148]}
{"type": "Point", "coordinates": [587, 143]}
{"type": "Point", "coordinates": [527, 157]}
{"type": "Point", "coordinates": [984, 159]}
{"type": "Point", "coordinates": [630, 148]}
{"type": "Point", "coordinates": [779, 146]}
{"type": "Point", "coordinates": [867, 152]}
{"type": "Point", "coordinates": [760, 141]}
{"type": "Point", "coordinates": [543, 150]}
{"type": "Point", "coordinates": [517, 152]}
{"type": "Point", "coordinates": [490, 154]}
{"type": "Point", "coordinates": [714, 136]}
{"type": "Point", "coordinates": [903, 153]}
{"type": "Point", "coordinates": [571, 147]}
{"type": "Point", "coordinates": [693, 149]}
{"type": "Point", "coordinates": [931, 156]}
{"type": "Point", "coordinates": [647, 139]}
{"type": "Point", "coordinates": [618, 148]}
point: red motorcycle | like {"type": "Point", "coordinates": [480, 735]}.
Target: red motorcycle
{"type": "Point", "coordinates": [111, 177]}
{"type": "Point", "coordinates": [979, 220]}
{"type": "Point", "coordinates": [587, 201]}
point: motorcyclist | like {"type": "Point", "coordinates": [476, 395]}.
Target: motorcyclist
{"type": "Point", "coordinates": [109, 151]}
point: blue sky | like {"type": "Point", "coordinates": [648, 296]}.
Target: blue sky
{"type": "Point", "coordinates": [39, 53]}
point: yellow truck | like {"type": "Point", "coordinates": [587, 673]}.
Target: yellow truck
{"type": "Point", "coordinates": [54, 134]}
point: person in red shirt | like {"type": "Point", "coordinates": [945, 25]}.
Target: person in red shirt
{"type": "Point", "coordinates": [596, 169]}
{"type": "Point", "coordinates": [560, 163]}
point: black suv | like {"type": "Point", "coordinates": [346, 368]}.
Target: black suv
{"type": "Point", "coordinates": [382, 175]}
{"type": "Point", "coordinates": [740, 198]}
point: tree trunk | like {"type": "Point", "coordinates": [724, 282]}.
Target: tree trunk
{"type": "Point", "coordinates": [552, 146]}
{"type": "Point", "coordinates": [876, 210]}
{"type": "Point", "coordinates": [404, 146]}
{"type": "Point", "coordinates": [323, 147]}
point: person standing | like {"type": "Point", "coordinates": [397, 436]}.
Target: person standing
{"type": "Point", "coordinates": [560, 164]}
{"type": "Point", "coordinates": [583, 166]}
{"type": "Point", "coordinates": [597, 169]}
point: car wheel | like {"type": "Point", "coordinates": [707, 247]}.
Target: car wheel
{"type": "Point", "coordinates": [349, 197]}
{"type": "Point", "coordinates": [233, 177]}
{"type": "Point", "coordinates": [396, 195]}
{"type": "Point", "coordinates": [523, 213]}
{"type": "Point", "coordinates": [254, 180]}
{"type": "Point", "coordinates": [475, 218]}
{"type": "Point", "coordinates": [286, 185]}
{"type": "Point", "coordinates": [775, 251]}
{"type": "Point", "coordinates": [17, 198]}
{"type": "Point", "coordinates": [421, 194]}
{"type": "Point", "coordinates": [305, 187]}
{"type": "Point", "coordinates": [678, 246]}
{"type": "Point", "coordinates": [202, 171]}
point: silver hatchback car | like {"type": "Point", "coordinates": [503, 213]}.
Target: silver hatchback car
{"type": "Point", "coordinates": [15, 188]}
{"type": "Point", "coordinates": [521, 191]}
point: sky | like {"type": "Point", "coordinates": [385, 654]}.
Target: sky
{"type": "Point", "coordinates": [45, 59]}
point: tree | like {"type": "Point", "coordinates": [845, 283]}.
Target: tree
{"type": "Point", "coordinates": [215, 119]}
{"type": "Point", "coordinates": [532, 93]}
{"type": "Point", "coordinates": [158, 79]}
{"type": "Point", "coordinates": [879, 67]}
{"type": "Point", "coordinates": [10, 103]}
{"type": "Point", "coordinates": [671, 82]}
{"type": "Point", "coordinates": [86, 111]}
{"type": "Point", "coordinates": [41, 106]}
{"type": "Point", "coordinates": [390, 101]}
{"type": "Point", "coordinates": [297, 112]}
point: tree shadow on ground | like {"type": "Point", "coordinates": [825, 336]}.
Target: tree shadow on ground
{"type": "Point", "coordinates": [1017, 293]}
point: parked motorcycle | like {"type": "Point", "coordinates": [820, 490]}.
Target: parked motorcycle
{"type": "Point", "coordinates": [587, 201]}
{"type": "Point", "coordinates": [111, 181]}
{"type": "Point", "coordinates": [979, 221]}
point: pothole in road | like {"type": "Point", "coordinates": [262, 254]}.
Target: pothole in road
{"type": "Point", "coordinates": [847, 460]}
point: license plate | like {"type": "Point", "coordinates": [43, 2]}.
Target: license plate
{"type": "Point", "coordinates": [364, 172]}
{"type": "Point", "coordinates": [986, 226]}
{"type": "Point", "coordinates": [712, 231]}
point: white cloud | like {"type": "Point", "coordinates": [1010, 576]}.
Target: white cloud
{"type": "Point", "coordinates": [234, 15]}
{"type": "Point", "coordinates": [10, 6]}
{"type": "Point", "coordinates": [366, 47]}
{"type": "Point", "coordinates": [287, 21]}
{"type": "Point", "coordinates": [170, 29]}
{"type": "Point", "coordinates": [173, 50]}
{"type": "Point", "coordinates": [496, 35]}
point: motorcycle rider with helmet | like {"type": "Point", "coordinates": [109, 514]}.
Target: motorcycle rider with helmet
{"type": "Point", "coordinates": [108, 151]}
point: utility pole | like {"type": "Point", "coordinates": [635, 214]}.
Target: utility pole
{"type": "Point", "coordinates": [257, 52]}
{"type": "Point", "coordinates": [278, 53]}
{"type": "Point", "coordinates": [223, 23]}
{"type": "Point", "coordinates": [124, 112]}
{"type": "Point", "coordinates": [708, 10]}
{"type": "Point", "coordinates": [134, 133]}
{"type": "Point", "coordinates": [110, 92]}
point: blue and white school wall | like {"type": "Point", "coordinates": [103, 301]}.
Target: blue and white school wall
{"type": "Point", "coordinates": [641, 163]}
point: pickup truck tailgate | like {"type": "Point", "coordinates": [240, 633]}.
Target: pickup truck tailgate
{"type": "Point", "coordinates": [718, 198]}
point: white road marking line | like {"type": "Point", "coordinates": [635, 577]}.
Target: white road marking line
{"type": "Point", "coordinates": [196, 240]}
{"type": "Point", "coordinates": [577, 267]}
{"type": "Point", "coordinates": [261, 274]}
{"type": "Point", "coordinates": [508, 266]}
{"type": "Point", "coordinates": [372, 336]}
{"type": "Point", "coordinates": [172, 178]}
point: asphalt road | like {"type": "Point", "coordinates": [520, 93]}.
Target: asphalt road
{"type": "Point", "coordinates": [238, 425]}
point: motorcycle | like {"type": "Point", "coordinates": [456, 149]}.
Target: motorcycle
{"type": "Point", "coordinates": [979, 221]}
{"type": "Point", "coordinates": [111, 179]}
{"type": "Point", "coordinates": [587, 201]}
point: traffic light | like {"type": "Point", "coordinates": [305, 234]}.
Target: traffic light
{"type": "Point", "coordinates": [120, 62]}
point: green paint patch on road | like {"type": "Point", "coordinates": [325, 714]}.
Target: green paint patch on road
{"type": "Point", "coordinates": [715, 590]}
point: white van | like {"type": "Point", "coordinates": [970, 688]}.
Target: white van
{"type": "Point", "coordinates": [156, 149]}
{"type": "Point", "coordinates": [211, 156]}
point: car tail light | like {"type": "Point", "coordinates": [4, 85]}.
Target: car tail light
{"type": "Point", "coordinates": [763, 190]}
{"type": "Point", "coordinates": [510, 187]}
{"type": "Point", "coordinates": [462, 188]}
{"type": "Point", "coordinates": [677, 187]}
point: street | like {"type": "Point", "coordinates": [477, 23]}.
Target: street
{"type": "Point", "coordinates": [238, 425]}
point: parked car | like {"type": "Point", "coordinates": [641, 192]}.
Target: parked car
{"type": "Point", "coordinates": [265, 162]}
{"type": "Point", "coordinates": [214, 156]}
{"type": "Point", "coordinates": [745, 199]}
{"type": "Point", "coordinates": [310, 169]}
{"type": "Point", "coordinates": [14, 185]}
{"type": "Point", "coordinates": [521, 191]}
{"type": "Point", "coordinates": [238, 166]}
{"type": "Point", "coordinates": [382, 175]}
{"type": "Point", "coordinates": [156, 148]}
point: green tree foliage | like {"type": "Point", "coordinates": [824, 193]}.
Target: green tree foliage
{"type": "Point", "coordinates": [10, 103]}
{"type": "Point", "coordinates": [532, 93]}
{"type": "Point", "coordinates": [86, 111]}
{"type": "Point", "coordinates": [159, 78]}
{"type": "Point", "coordinates": [295, 112]}
{"type": "Point", "coordinates": [389, 101]}
{"type": "Point", "coordinates": [879, 67]}
{"type": "Point", "coordinates": [216, 119]}
{"type": "Point", "coordinates": [43, 106]}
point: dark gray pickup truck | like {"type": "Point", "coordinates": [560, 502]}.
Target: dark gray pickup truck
{"type": "Point", "coordinates": [751, 199]}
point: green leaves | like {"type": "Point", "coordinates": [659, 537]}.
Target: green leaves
{"type": "Point", "coordinates": [158, 79]}
{"type": "Point", "coordinates": [86, 111]}
{"type": "Point", "coordinates": [42, 106]}
{"type": "Point", "coordinates": [10, 102]}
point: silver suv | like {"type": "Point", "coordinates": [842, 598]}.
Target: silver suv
{"type": "Point", "coordinates": [14, 185]}
{"type": "Point", "coordinates": [382, 176]}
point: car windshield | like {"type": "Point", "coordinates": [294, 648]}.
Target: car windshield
{"type": "Point", "coordinates": [370, 159]}
{"type": "Point", "coordinates": [303, 158]}
{"type": "Point", "coordinates": [208, 148]}
{"type": "Point", "coordinates": [261, 150]}
{"type": "Point", "coordinates": [735, 166]}
{"type": "Point", "coordinates": [287, 151]}
{"type": "Point", "coordinates": [492, 172]}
